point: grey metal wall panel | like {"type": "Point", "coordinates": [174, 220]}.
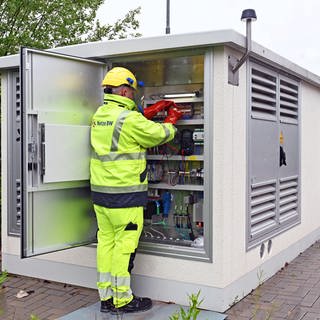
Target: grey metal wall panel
{"type": "Point", "coordinates": [263, 94]}
{"type": "Point", "coordinates": [262, 207]}
{"type": "Point", "coordinates": [288, 199]}
{"type": "Point", "coordinates": [273, 202]}
{"type": "Point", "coordinates": [289, 101]}
{"type": "Point", "coordinates": [290, 146]}
{"type": "Point", "coordinates": [264, 150]}
{"type": "Point", "coordinates": [289, 180]}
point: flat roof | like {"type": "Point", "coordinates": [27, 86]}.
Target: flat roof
{"type": "Point", "coordinates": [143, 45]}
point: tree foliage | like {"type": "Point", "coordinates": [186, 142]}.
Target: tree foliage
{"type": "Point", "coordinates": [53, 23]}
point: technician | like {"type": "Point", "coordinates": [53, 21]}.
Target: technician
{"type": "Point", "coordinates": [120, 136]}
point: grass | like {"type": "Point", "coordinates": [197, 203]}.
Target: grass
{"type": "Point", "coordinates": [192, 312]}
{"type": "Point", "coordinates": [258, 311]}
{"type": "Point", "coordinates": [3, 278]}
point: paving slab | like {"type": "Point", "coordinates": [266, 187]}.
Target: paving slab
{"type": "Point", "coordinates": [159, 311]}
{"type": "Point", "coordinates": [293, 293]}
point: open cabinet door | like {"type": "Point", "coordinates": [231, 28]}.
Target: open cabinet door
{"type": "Point", "coordinates": [59, 95]}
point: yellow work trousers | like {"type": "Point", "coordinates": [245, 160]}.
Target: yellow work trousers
{"type": "Point", "coordinates": [118, 237]}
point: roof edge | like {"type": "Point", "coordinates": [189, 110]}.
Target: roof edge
{"type": "Point", "coordinates": [228, 37]}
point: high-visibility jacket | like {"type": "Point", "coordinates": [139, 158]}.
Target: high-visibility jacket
{"type": "Point", "coordinates": [119, 139]}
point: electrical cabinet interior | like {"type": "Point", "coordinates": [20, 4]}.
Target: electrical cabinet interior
{"type": "Point", "coordinates": [176, 170]}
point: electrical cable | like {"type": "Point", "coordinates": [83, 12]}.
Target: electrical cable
{"type": "Point", "coordinates": [174, 177]}
{"type": "Point", "coordinates": [191, 234]}
{"type": "Point", "coordinates": [147, 232]}
{"type": "Point", "coordinates": [162, 234]}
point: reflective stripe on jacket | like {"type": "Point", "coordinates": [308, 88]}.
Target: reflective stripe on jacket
{"type": "Point", "coordinates": [119, 139]}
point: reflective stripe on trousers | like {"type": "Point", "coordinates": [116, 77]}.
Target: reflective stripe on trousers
{"type": "Point", "coordinates": [118, 237]}
{"type": "Point", "coordinates": [104, 285]}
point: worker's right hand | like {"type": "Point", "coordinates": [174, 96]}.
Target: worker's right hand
{"type": "Point", "coordinates": [161, 105]}
{"type": "Point", "coordinates": [173, 116]}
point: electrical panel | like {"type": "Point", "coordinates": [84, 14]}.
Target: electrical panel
{"type": "Point", "coordinates": [174, 212]}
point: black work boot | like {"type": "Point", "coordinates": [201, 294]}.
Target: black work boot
{"type": "Point", "coordinates": [137, 304]}
{"type": "Point", "coordinates": [107, 305]}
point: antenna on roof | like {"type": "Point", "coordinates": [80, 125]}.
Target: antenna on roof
{"type": "Point", "coordinates": [248, 16]}
{"type": "Point", "coordinates": [168, 17]}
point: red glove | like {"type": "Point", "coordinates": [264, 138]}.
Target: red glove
{"type": "Point", "coordinates": [173, 116]}
{"type": "Point", "coordinates": [161, 105]}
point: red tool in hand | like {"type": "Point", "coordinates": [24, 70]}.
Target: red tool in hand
{"type": "Point", "coordinates": [173, 116]}
{"type": "Point", "coordinates": [161, 105]}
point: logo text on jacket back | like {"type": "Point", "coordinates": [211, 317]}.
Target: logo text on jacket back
{"type": "Point", "coordinates": [102, 123]}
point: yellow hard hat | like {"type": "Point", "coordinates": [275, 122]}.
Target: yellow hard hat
{"type": "Point", "coordinates": [119, 76]}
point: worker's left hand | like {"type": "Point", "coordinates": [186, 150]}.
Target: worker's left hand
{"type": "Point", "coordinates": [173, 116]}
